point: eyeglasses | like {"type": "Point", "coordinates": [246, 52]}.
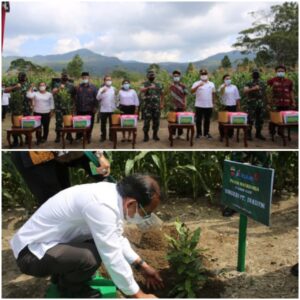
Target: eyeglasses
{"type": "Point", "coordinates": [146, 214]}
{"type": "Point", "coordinates": [203, 73]}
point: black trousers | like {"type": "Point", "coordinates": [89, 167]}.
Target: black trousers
{"type": "Point", "coordinates": [86, 113]}
{"type": "Point", "coordinates": [103, 117]}
{"type": "Point", "coordinates": [45, 121]}
{"type": "Point", "coordinates": [179, 130]}
{"type": "Point", "coordinates": [4, 111]}
{"type": "Point", "coordinates": [205, 115]}
{"type": "Point", "coordinates": [230, 131]}
{"type": "Point", "coordinates": [44, 180]}
{"type": "Point", "coordinates": [71, 264]}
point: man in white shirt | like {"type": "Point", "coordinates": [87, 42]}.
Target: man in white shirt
{"type": "Point", "coordinates": [5, 101]}
{"type": "Point", "coordinates": [205, 97]}
{"type": "Point", "coordinates": [74, 231]}
{"type": "Point", "coordinates": [107, 98]}
{"type": "Point", "coordinates": [230, 99]}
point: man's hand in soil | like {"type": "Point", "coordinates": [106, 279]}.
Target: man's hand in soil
{"type": "Point", "coordinates": [153, 279]}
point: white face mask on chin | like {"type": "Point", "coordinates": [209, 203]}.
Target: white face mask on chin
{"type": "Point", "coordinates": [204, 77]}
{"type": "Point", "coordinates": [136, 219]}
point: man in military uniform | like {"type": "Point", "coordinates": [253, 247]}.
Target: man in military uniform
{"type": "Point", "coordinates": [22, 86]}
{"type": "Point", "coordinates": [153, 103]}
{"type": "Point", "coordinates": [255, 91]}
{"type": "Point", "coordinates": [59, 111]}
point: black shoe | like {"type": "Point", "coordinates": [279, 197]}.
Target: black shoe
{"type": "Point", "coordinates": [294, 270]}
{"type": "Point", "coordinates": [69, 137]}
{"type": "Point", "coordinates": [228, 212]}
{"type": "Point", "coordinates": [103, 139]}
{"type": "Point", "coordinates": [208, 136]}
{"type": "Point", "coordinates": [15, 144]}
{"type": "Point", "coordinates": [260, 137]}
{"type": "Point", "coordinates": [198, 136]}
{"type": "Point", "coordinates": [156, 138]}
{"type": "Point", "coordinates": [146, 137]}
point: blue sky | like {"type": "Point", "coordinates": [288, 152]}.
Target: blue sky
{"type": "Point", "coordinates": [143, 31]}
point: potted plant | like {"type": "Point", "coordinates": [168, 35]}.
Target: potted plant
{"type": "Point", "coordinates": [67, 106]}
{"type": "Point", "coordinates": [16, 106]}
{"type": "Point", "coordinates": [115, 118]}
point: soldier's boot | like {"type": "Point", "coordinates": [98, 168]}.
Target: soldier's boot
{"type": "Point", "coordinates": [259, 136]}
{"type": "Point", "coordinates": [249, 135]}
{"type": "Point", "coordinates": [155, 136]}
{"type": "Point", "coordinates": [146, 137]}
{"type": "Point", "coordinates": [69, 137]}
{"type": "Point", "coordinates": [57, 140]}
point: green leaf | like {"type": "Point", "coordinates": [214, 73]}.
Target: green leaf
{"type": "Point", "coordinates": [129, 166]}
{"type": "Point", "coordinates": [156, 160]}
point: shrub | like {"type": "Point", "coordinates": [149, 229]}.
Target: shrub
{"type": "Point", "coordinates": [185, 259]}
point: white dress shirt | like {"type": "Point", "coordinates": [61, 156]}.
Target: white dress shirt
{"type": "Point", "coordinates": [230, 96]}
{"type": "Point", "coordinates": [5, 98]}
{"type": "Point", "coordinates": [43, 103]}
{"type": "Point", "coordinates": [77, 214]}
{"type": "Point", "coordinates": [129, 97]}
{"type": "Point", "coordinates": [107, 99]}
{"type": "Point", "coordinates": [204, 94]}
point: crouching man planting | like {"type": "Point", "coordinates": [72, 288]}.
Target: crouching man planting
{"type": "Point", "coordinates": [69, 236]}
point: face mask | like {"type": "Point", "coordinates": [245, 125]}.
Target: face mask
{"type": "Point", "coordinates": [280, 74]}
{"type": "Point", "coordinates": [227, 81]}
{"type": "Point", "coordinates": [204, 77]}
{"type": "Point", "coordinates": [85, 81]}
{"type": "Point", "coordinates": [42, 88]}
{"type": "Point", "coordinates": [136, 219]}
{"type": "Point", "coordinates": [176, 79]}
{"type": "Point", "coordinates": [151, 78]}
{"type": "Point", "coordinates": [126, 86]}
{"type": "Point", "coordinates": [255, 75]}
{"type": "Point", "coordinates": [108, 82]}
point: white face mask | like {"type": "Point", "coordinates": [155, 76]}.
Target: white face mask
{"type": "Point", "coordinates": [126, 86]}
{"type": "Point", "coordinates": [227, 81]}
{"type": "Point", "coordinates": [280, 74]}
{"type": "Point", "coordinates": [108, 82]}
{"type": "Point", "coordinates": [204, 77]}
{"type": "Point", "coordinates": [42, 88]}
{"type": "Point", "coordinates": [136, 219]}
{"type": "Point", "coordinates": [85, 81]}
{"type": "Point", "coordinates": [176, 79]}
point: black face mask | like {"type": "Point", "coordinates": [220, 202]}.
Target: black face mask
{"type": "Point", "coordinates": [255, 76]}
{"type": "Point", "coordinates": [151, 78]}
{"type": "Point", "coordinates": [64, 79]}
{"type": "Point", "coordinates": [22, 78]}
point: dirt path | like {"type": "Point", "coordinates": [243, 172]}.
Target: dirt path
{"type": "Point", "coordinates": [163, 143]}
{"type": "Point", "coordinates": [271, 251]}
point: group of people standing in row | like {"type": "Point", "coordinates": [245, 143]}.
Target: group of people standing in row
{"type": "Point", "coordinates": [86, 99]}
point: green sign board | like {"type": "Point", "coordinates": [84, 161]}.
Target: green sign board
{"type": "Point", "coordinates": [248, 190]}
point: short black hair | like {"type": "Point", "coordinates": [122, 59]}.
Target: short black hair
{"type": "Point", "coordinates": [140, 187]}
{"type": "Point", "coordinates": [280, 67]}
{"type": "Point", "coordinates": [176, 72]}
{"type": "Point", "coordinates": [225, 76]}
{"type": "Point", "coordinates": [85, 74]}
{"type": "Point", "coordinates": [203, 71]}
{"type": "Point", "coordinates": [125, 80]}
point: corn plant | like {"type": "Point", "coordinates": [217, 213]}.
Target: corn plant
{"type": "Point", "coordinates": [185, 259]}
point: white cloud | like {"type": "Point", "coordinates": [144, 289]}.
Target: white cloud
{"type": "Point", "coordinates": [12, 46]}
{"type": "Point", "coordinates": [67, 45]}
{"type": "Point", "coordinates": [150, 56]}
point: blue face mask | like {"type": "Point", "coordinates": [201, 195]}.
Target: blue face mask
{"type": "Point", "coordinates": [227, 81]}
{"type": "Point", "coordinates": [126, 86]}
{"type": "Point", "coordinates": [280, 74]}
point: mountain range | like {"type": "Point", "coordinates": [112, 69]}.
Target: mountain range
{"type": "Point", "coordinates": [98, 64]}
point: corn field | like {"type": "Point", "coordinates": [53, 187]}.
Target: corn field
{"type": "Point", "coordinates": [196, 175]}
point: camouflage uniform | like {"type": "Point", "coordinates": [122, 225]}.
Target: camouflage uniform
{"type": "Point", "coordinates": [27, 110]}
{"type": "Point", "coordinates": [151, 106]}
{"type": "Point", "coordinates": [59, 110]}
{"type": "Point", "coordinates": [255, 105]}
